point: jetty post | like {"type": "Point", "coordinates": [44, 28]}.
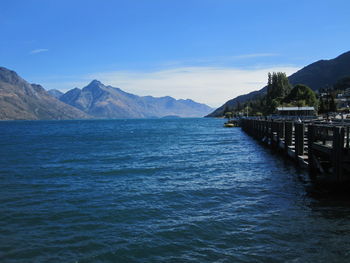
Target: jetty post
{"type": "Point", "coordinates": [299, 139]}
{"type": "Point", "coordinates": [288, 140]}
{"type": "Point", "coordinates": [310, 151]}
{"type": "Point", "coordinates": [337, 152]}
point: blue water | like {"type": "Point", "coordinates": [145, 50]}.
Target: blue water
{"type": "Point", "coordinates": [182, 190]}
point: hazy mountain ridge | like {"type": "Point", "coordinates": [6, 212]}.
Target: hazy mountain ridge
{"type": "Point", "coordinates": [55, 93]}
{"type": "Point", "coordinates": [20, 100]}
{"type": "Point", "coordinates": [102, 101]}
{"type": "Point", "coordinates": [320, 74]}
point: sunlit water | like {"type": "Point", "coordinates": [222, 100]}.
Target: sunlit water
{"type": "Point", "coordinates": [181, 190]}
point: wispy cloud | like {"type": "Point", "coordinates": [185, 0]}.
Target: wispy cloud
{"type": "Point", "coordinates": [256, 55]}
{"type": "Point", "coordinates": [222, 61]}
{"type": "Point", "coordinates": [40, 50]}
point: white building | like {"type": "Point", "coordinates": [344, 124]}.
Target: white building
{"type": "Point", "coordinates": [296, 111]}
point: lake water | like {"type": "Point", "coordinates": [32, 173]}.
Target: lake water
{"type": "Point", "coordinates": [163, 190]}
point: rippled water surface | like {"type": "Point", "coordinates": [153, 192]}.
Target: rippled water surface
{"type": "Point", "coordinates": [182, 190]}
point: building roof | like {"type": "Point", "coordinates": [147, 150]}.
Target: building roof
{"type": "Point", "coordinates": [295, 108]}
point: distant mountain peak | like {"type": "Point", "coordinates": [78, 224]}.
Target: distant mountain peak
{"type": "Point", "coordinates": [75, 89]}
{"type": "Point", "coordinates": [94, 86]}
{"type": "Point", "coordinates": [95, 83]}
{"type": "Point", "coordinates": [55, 93]}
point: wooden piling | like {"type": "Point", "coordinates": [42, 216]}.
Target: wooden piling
{"type": "Point", "coordinates": [299, 139]}
{"type": "Point", "coordinates": [311, 157]}
{"type": "Point", "coordinates": [337, 149]}
{"type": "Point", "coordinates": [288, 137]}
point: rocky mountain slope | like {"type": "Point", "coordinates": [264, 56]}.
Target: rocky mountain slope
{"type": "Point", "coordinates": [55, 93]}
{"type": "Point", "coordinates": [20, 100]}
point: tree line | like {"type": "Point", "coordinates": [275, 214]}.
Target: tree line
{"type": "Point", "coordinates": [279, 93]}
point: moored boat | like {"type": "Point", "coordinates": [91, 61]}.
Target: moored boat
{"type": "Point", "coordinates": [229, 125]}
{"type": "Point", "coordinates": [232, 123]}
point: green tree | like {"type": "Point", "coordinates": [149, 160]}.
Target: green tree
{"type": "Point", "coordinates": [278, 87]}
{"type": "Point", "coordinates": [226, 109]}
{"type": "Point", "coordinates": [302, 95]}
{"type": "Point", "coordinates": [238, 106]}
{"type": "Point", "coordinates": [228, 115]}
{"type": "Point", "coordinates": [332, 104]}
{"type": "Point", "coordinates": [322, 108]}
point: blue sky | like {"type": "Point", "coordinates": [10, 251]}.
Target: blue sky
{"type": "Point", "coordinates": [207, 50]}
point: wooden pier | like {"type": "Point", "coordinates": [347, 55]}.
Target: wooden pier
{"type": "Point", "coordinates": [322, 148]}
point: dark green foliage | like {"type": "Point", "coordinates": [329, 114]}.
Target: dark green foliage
{"type": "Point", "coordinates": [332, 104]}
{"type": "Point", "coordinates": [278, 85]}
{"type": "Point", "coordinates": [227, 109]}
{"type": "Point", "coordinates": [322, 108]}
{"type": "Point", "coordinates": [228, 115]}
{"type": "Point", "coordinates": [238, 107]}
{"type": "Point", "coordinates": [342, 84]}
{"type": "Point", "coordinates": [327, 101]}
{"type": "Point", "coordinates": [277, 88]}
{"type": "Point", "coordinates": [301, 95]}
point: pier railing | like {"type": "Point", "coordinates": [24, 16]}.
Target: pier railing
{"type": "Point", "coordinates": [323, 148]}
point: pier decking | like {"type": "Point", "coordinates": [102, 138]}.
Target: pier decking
{"type": "Point", "coordinates": [322, 148]}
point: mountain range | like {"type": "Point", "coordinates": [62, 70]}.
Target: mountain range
{"type": "Point", "coordinates": [101, 101]}
{"type": "Point", "coordinates": [318, 75]}
{"type": "Point", "coordinates": [22, 100]}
